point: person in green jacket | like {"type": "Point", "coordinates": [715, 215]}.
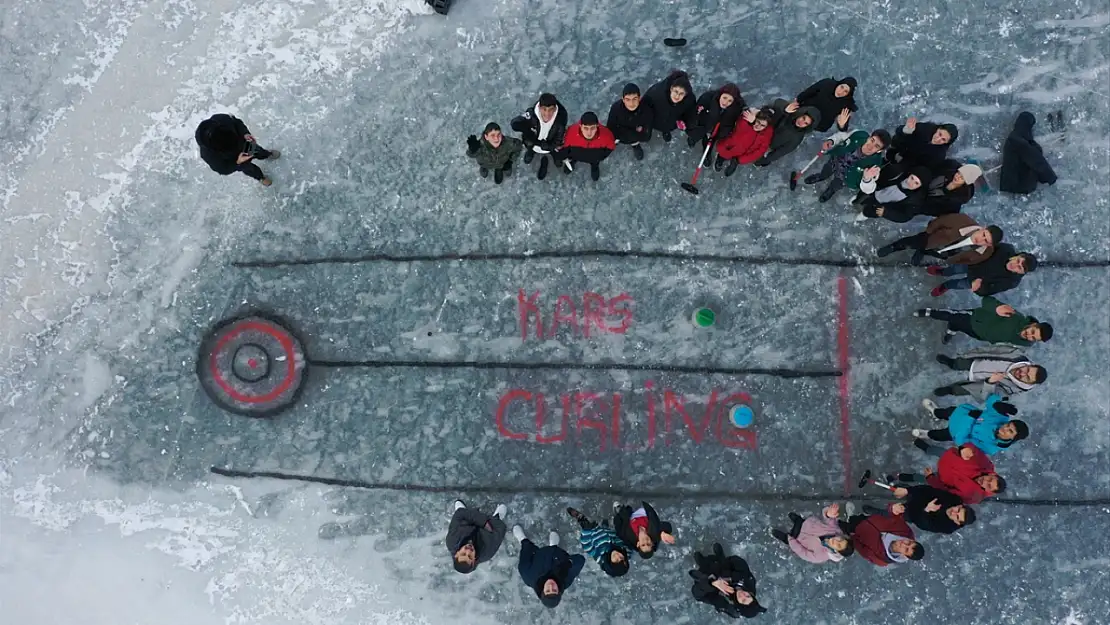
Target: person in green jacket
{"type": "Point", "coordinates": [494, 152]}
{"type": "Point", "coordinates": [851, 155]}
{"type": "Point", "coordinates": [993, 322]}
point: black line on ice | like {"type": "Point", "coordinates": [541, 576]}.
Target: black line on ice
{"type": "Point", "coordinates": [648, 494]}
{"type": "Point", "coordinates": [601, 253]}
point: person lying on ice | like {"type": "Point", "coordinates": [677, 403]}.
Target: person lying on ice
{"type": "Point", "coordinates": [964, 471]}
{"type": "Point", "coordinates": [989, 429]}
{"type": "Point", "coordinates": [832, 98]}
{"type": "Point", "coordinates": [931, 509]}
{"type": "Point", "coordinates": [883, 539]}
{"type": "Point", "coordinates": [587, 141]}
{"type": "Point", "coordinates": [1002, 271]}
{"type": "Point", "coordinates": [817, 539]}
{"type": "Point", "coordinates": [992, 370]}
{"type": "Point", "coordinates": [630, 120]}
{"type": "Point", "coordinates": [992, 321]}
{"type": "Point", "coordinates": [849, 155]}
{"type": "Point", "coordinates": [790, 123]}
{"type": "Point", "coordinates": [951, 188]}
{"type": "Point", "coordinates": [548, 571]}
{"type": "Point", "coordinates": [494, 152]}
{"type": "Point", "coordinates": [956, 239]}
{"type": "Point", "coordinates": [893, 192]}
{"type": "Point", "coordinates": [227, 146]}
{"type": "Point", "coordinates": [717, 106]}
{"type": "Point", "coordinates": [641, 529]}
{"type": "Point", "coordinates": [726, 583]}
{"type": "Point", "coordinates": [602, 544]}
{"type": "Point", "coordinates": [473, 536]}
{"type": "Point", "coordinates": [541, 129]}
{"type": "Point", "coordinates": [922, 144]}
{"type": "Point", "coordinates": [1023, 162]}
{"type": "Point", "coordinates": [672, 104]}
{"type": "Point", "coordinates": [748, 143]}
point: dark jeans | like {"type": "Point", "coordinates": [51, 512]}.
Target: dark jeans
{"type": "Point", "coordinates": [959, 364]}
{"type": "Point", "coordinates": [835, 184]}
{"type": "Point", "coordinates": [941, 436]}
{"type": "Point", "coordinates": [956, 283]}
{"type": "Point", "coordinates": [528, 551]}
{"type": "Point", "coordinates": [850, 525]}
{"type": "Point", "coordinates": [252, 170]}
{"type": "Point", "coordinates": [932, 450]}
{"type": "Point", "coordinates": [958, 320]}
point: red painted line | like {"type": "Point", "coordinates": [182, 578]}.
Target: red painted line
{"type": "Point", "coordinates": [286, 344]}
{"type": "Point", "coordinates": [843, 343]}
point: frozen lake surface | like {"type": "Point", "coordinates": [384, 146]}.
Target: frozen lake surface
{"type": "Point", "coordinates": [119, 249]}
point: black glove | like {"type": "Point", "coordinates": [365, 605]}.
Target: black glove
{"type": "Point", "coordinates": [472, 144]}
{"type": "Point", "coordinates": [1005, 408]}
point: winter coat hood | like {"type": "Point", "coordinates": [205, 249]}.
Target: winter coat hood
{"type": "Point", "coordinates": [1023, 125]}
{"type": "Point", "coordinates": [680, 78]}
{"type": "Point", "coordinates": [731, 89]}
{"type": "Point", "coordinates": [812, 111]}
{"type": "Point", "coordinates": [851, 82]}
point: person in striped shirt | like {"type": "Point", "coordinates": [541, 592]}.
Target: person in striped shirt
{"type": "Point", "coordinates": [602, 544]}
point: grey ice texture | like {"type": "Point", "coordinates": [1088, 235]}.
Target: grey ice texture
{"type": "Point", "coordinates": [116, 247]}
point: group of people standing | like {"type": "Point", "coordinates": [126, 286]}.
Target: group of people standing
{"type": "Point", "coordinates": [897, 177]}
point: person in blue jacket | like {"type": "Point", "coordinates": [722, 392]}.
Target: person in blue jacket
{"type": "Point", "coordinates": [549, 570]}
{"type": "Point", "coordinates": [989, 429]}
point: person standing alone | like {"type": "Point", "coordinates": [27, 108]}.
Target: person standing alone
{"type": "Point", "coordinates": [228, 146]}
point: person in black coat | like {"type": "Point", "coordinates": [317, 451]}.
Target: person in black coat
{"type": "Point", "coordinates": [899, 193]}
{"type": "Point", "coordinates": [541, 128]}
{"type": "Point", "coordinates": [1002, 271]}
{"type": "Point", "coordinates": [931, 509]}
{"type": "Point", "coordinates": [672, 104]}
{"type": "Point", "coordinates": [951, 188]}
{"type": "Point", "coordinates": [726, 583]}
{"type": "Point", "coordinates": [791, 123]}
{"type": "Point", "coordinates": [641, 528]}
{"type": "Point", "coordinates": [473, 536]}
{"type": "Point", "coordinates": [548, 571]}
{"type": "Point", "coordinates": [831, 97]}
{"type": "Point", "coordinates": [227, 145]}
{"type": "Point", "coordinates": [630, 119]}
{"type": "Point", "coordinates": [718, 106]}
{"type": "Point", "coordinates": [924, 144]}
{"type": "Point", "coordinates": [1023, 162]}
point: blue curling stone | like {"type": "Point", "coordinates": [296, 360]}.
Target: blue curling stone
{"type": "Point", "coordinates": [742, 415]}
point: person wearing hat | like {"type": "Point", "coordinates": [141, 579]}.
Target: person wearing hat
{"type": "Point", "coordinates": [947, 192]}
{"type": "Point", "coordinates": [849, 156]}
{"type": "Point", "coordinates": [494, 152]}
{"type": "Point", "coordinates": [548, 571]}
{"type": "Point", "coordinates": [587, 141]}
{"type": "Point", "coordinates": [717, 106]}
{"type": "Point", "coordinates": [895, 193]}
{"type": "Point", "coordinates": [602, 544]}
{"type": "Point", "coordinates": [955, 238]}
{"type": "Point", "coordinates": [1001, 272]}
{"type": "Point", "coordinates": [541, 128]}
{"type": "Point", "coordinates": [726, 583]}
{"type": "Point", "coordinates": [990, 429]}
{"type": "Point", "coordinates": [832, 98]}
{"type": "Point", "coordinates": [992, 322]}
{"type": "Point", "coordinates": [630, 120]}
{"type": "Point", "coordinates": [924, 144]}
{"type": "Point", "coordinates": [473, 536]}
{"type": "Point", "coordinates": [1023, 161]}
{"type": "Point", "coordinates": [228, 146]}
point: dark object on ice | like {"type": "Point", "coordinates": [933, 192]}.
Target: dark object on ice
{"type": "Point", "coordinates": [1023, 162]}
{"type": "Point", "coordinates": [440, 6]}
{"type": "Point", "coordinates": [674, 42]}
{"type": "Point", "coordinates": [795, 176]}
{"type": "Point", "coordinates": [734, 571]}
{"type": "Point", "coordinates": [251, 366]}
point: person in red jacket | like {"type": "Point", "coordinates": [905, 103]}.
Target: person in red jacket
{"type": "Point", "coordinates": [884, 539]}
{"type": "Point", "coordinates": [748, 143]}
{"type": "Point", "coordinates": [964, 471]}
{"type": "Point", "coordinates": [587, 141]}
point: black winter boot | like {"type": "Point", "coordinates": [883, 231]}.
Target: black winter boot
{"type": "Point", "coordinates": [595, 171]}
{"type": "Point", "coordinates": [508, 169]}
{"type": "Point", "coordinates": [528, 155]}
{"type": "Point", "coordinates": [542, 173]}
{"type": "Point", "coordinates": [780, 536]}
{"type": "Point", "coordinates": [666, 136]}
{"type": "Point", "coordinates": [483, 172]}
{"type": "Point", "coordinates": [731, 169]}
{"type": "Point", "coordinates": [638, 152]}
{"type": "Point", "coordinates": [719, 163]}
{"type": "Point", "coordinates": [499, 176]}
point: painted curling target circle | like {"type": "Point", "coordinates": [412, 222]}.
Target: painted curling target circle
{"type": "Point", "coordinates": [251, 366]}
